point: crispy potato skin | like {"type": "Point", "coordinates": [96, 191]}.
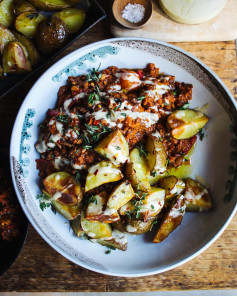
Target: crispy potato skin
{"type": "Point", "coordinates": [184, 124]}
{"type": "Point", "coordinates": [72, 17]}
{"type": "Point", "coordinates": [68, 212]}
{"type": "Point", "coordinates": [27, 23]}
{"type": "Point", "coordinates": [135, 227]}
{"type": "Point", "coordinates": [121, 195]}
{"type": "Point", "coordinates": [114, 147]}
{"type": "Point", "coordinates": [172, 186]}
{"type": "Point", "coordinates": [30, 47]}
{"type": "Point", "coordinates": [101, 173]}
{"type": "Point", "coordinates": [23, 6]}
{"type": "Point", "coordinates": [5, 37]}
{"type": "Point", "coordinates": [51, 35]}
{"type": "Point", "coordinates": [156, 157]}
{"type": "Point", "coordinates": [136, 171]}
{"type": "Point", "coordinates": [14, 59]}
{"type": "Point", "coordinates": [197, 198]}
{"type": "Point", "coordinates": [49, 5]}
{"type": "Point", "coordinates": [113, 243]}
{"type": "Point", "coordinates": [95, 230]}
{"type": "Point", "coordinates": [70, 192]}
{"type": "Point", "coordinates": [6, 12]}
{"type": "Point", "coordinates": [76, 226]}
{"type": "Point", "coordinates": [171, 220]}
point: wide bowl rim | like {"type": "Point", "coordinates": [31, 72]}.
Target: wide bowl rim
{"type": "Point", "coordinates": [38, 229]}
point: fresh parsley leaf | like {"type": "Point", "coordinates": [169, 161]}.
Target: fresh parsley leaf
{"type": "Point", "coordinates": [184, 107]}
{"type": "Point", "coordinates": [118, 148]}
{"type": "Point", "coordinates": [124, 114]}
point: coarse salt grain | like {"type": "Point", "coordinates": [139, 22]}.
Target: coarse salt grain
{"type": "Point", "coordinates": [133, 13]}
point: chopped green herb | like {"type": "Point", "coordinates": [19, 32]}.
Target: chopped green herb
{"type": "Point", "coordinates": [77, 177]}
{"type": "Point", "coordinates": [107, 251]}
{"type": "Point", "coordinates": [32, 15]}
{"type": "Point", "coordinates": [92, 199]}
{"type": "Point", "coordinates": [201, 134]}
{"type": "Point", "coordinates": [123, 191]}
{"type": "Point", "coordinates": [175, 92]}
{"type": "Point", "coordinates": [154, 174]}
{"type": "Point", "coordinates": [152, 207]}
{"type": "Point", "coordinates": [124, 114]}
{"type": "Point", "coordinates": [142, 150]}
{"type": "Point", "coordinates": [118, 148]}
{"type": "Point", "coordinates": [128, 214]}
{"type": "Point", "coordinates": [44, 202]}
{"type": "Point", "coordinates": [140, 99]}
{"type": "Point", "coordinates": [62, 118]}
{"type": "Point", "coordinates": [53, 210]}
{"type": "Point", "coordinates": [184, 107]}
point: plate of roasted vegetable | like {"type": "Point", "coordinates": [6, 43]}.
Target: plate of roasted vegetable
{"type": "Point", "coordinates": [13, 223]}
{"type": "Point", "coordinates": [34, 32]}
{"type": "Point", "coordinates": [123, 157]}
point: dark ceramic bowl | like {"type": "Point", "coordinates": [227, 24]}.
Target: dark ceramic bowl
{"type": "Point", "coordinates": [9, 251]}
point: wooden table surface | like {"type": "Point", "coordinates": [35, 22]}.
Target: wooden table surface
{"type": "Point", "coordinates": [41, 268]}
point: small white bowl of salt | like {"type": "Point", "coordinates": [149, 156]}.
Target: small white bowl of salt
{"type": "Point", "coordinates": [132, 14]}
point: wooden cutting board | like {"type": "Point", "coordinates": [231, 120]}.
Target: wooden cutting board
{"type": "Point", "coordinates": [222, 28]}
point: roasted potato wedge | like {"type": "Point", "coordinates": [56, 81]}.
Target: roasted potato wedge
{"type": "Point", "coordinates": [6, 12]}
{"type": "Point", "coordinates": [118, 240]}
{"type": "Point", "coordinates": [184, 124]}
{"type": "Point", "coordinates": [136, 171]}
{"type": "Point", "coordinates": [96, 230]}
{"type": "Point", "coordinates": [76, 226]}
{"type": "Point", "coordinates": [149, 205]}
{"type": "Point", "coordinates": [152, 203]}
{"type": "Point", "coordinates": [15, 59]}
{"type": "Point", "coordinates": [196, 196]}
{"type": "Point", "coordinates": [172, 186]}
{"type": "Point", "coordinates": [95, 210]}
{"type": "Point", "coordinates": [23, 6]}
{"type": "Point", "coordinates": [51, 35]}
{"type": "Point", "coordinates": [5, 37]}
{"type": "Point", "coordinates": [72, 17]}
{"type": "Point", "coordinates": [156, 157]}
{"type": "Point", "coordinates": [135, 227]}
{"type": "Point", "coordinates": [50, 5]}
{"type": "Point", "coordinates": [114, 147]}
{"type": "Point", "coordinates": [33, 54]}
{"type": "Point", "coordinates": [121, 195]}
{"type": "Point", "coordinates": [68, 212]}
{"type": "Point", "coordinates": [63, 188]}
{"type": "Point", "coordinates": [101, 173]}
{"type": "Point", "coordinates": [171, 220]}
{"type": "Point", "coordinates": [154, 177]}
{"type": "Point", "coordinates": [27, 23]}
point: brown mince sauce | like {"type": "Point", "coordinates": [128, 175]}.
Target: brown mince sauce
{"type": "Point", "coordinates": [89, 107]}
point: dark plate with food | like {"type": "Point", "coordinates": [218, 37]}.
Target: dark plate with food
{"type": "Point", "coordinates": [35, 32]}
{"type": "Point", "coordinates": [13, 223]}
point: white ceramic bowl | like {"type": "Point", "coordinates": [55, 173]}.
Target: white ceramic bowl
{"type": "Point", "coordinates": [214, 159]}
